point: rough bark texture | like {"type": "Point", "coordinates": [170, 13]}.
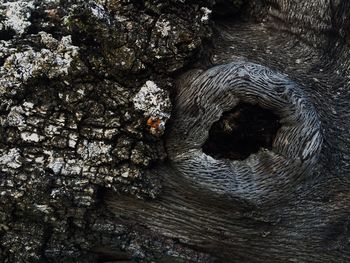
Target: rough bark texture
{"type": "Point", "coordinates": [94, 159]}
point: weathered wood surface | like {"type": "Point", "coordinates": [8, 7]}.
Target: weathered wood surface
{"type": "Point", "coordinates": [86, 173]}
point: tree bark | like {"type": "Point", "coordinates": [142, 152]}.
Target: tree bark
{"type": "Point", "coordinates": [96, 136]}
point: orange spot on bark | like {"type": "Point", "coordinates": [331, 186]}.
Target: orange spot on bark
{"type": "Point", "coordinates": [153, 122]}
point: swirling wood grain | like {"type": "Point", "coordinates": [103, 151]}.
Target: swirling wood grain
{"type": "Point", "coordinates": [265, 176]}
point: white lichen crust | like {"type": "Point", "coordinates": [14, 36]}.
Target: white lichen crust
{"type": "Point", "coordinates": [155, 104]}
{"type": "Point", "coordinates": [206, 14]}
{"type": "Point", "coordinates": [17, 14]}
{"type": "Point", "coordinates": [54, 60]}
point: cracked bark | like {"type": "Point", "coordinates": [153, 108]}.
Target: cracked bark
{"type": "Point", "coordinates": [85, 91]}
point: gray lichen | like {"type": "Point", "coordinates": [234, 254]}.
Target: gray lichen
{"type": "Point", "coordinates": [53, 60]}
{"type": "Point", "coordinates": [17, 15]}
{"type": "Point", "coordinates": [155, 105]}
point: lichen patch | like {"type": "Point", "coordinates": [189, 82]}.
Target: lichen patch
{"type": "Point", "coordinates": [163, 27]}
{"type": "Point", "coordinates": [155, 104]}
{"type": "Point", "coordinates": [206, 14]}
{"type": "Point", "coordinates": [52, 61]}
{"type": "Point", "coordinates": [17, 15]}
{"type": "Point", "coordinates": [11, 158]}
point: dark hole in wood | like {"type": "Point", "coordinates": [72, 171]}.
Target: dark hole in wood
{"type": "Point", "coordinates": [111, 254]}
{"type": "Point", "coordinates": [242, 131]}
{"type": "Point", "coordinates": [7, 34]}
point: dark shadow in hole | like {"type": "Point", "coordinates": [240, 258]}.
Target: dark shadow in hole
{"type": "Point", "coordinates": [227, 9]}
{"type": "Point", "coordinates": [241, 131]}
{"type": "Point", "coordinates": [7, 34]}
{"type": "Point", "coordinates": [111, 254]}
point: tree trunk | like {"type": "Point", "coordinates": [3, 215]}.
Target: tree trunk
{"type": "Point", "coordinates": [174, 131]}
